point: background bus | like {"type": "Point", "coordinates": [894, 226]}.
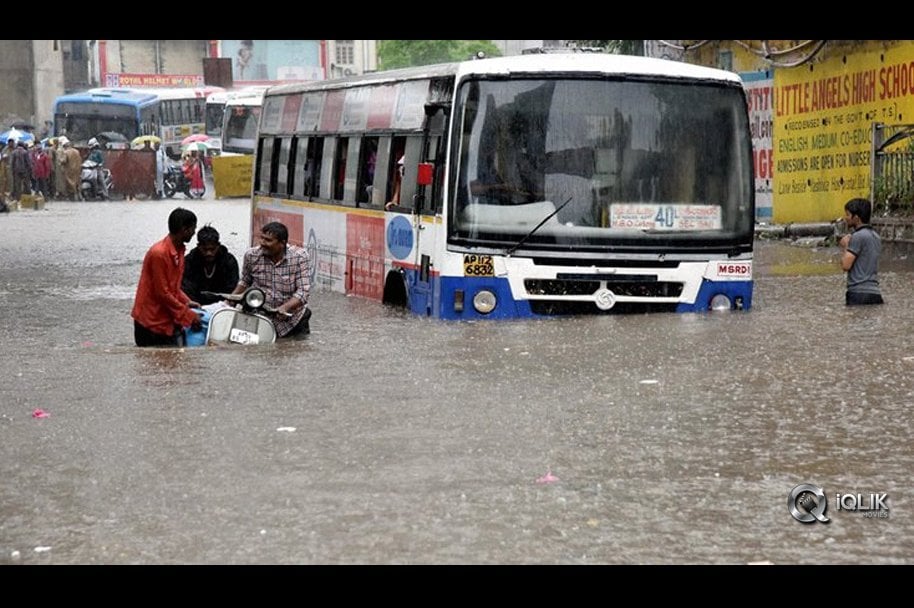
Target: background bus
{"type": "Point", "coordinates": [517, 186]}
{"type": "Point", "coordinates": [171, 114]}
{"type": "Point", "coordinates": [242, 117]}
{"type": "Point", "coordinates": [182, 112]}
{"type": "Point", "coordinates": [82, 116]}
{"type": "Point", "coordinates": [215, 112]}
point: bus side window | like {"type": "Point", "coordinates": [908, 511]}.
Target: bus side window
{"type": "Point", "coordinates": [265, 154]}
{"type": "Point", "coordinates": [281, 181]}
{"type": "Point", "coordinates": [339, 168]}
{"type": "Point", "coordinates": [313, 164]}
{"type": "Point", "coordinates": [290, 165]}
{"type": "Point", "coordinates": [381, 185]}
{"type": "Point", "coordinates": [274, 166]}
{"type": "Point", "coordinates": [368, 158]}
{"type": "Point", "coordinates": [351, 178]}
{"type": "Point", "coordinates": [412, 156]}
{"type": "Point", "coordinates": [328, 167]}
{"type": "Point", "coordinates": [298, 164]}
{"type": "Point", "coordinates": [394, 178]}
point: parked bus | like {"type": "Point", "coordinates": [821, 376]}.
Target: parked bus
{"type": "Point", "coordinates": [518, 186]}
{"type": "Point", "coordinates": [130, 112]}
{"type": "Point", "coordinates": [171, 114]}
{"type": "Point", "coordinates": [215, 113]}
{"type": "Point", "coordinates": [242, 116]}
{"type": "Point", "coordinates": [182, 112]}
{"type": "Point", "coordinates": [215, 116]}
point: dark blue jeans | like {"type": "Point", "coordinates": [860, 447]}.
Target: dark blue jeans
{"type": "Point", "coordinates": [855, 298]}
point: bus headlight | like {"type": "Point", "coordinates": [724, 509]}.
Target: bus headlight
{"type": "Point", "coordinates": [484, 301]}
{"type": "Point", "coordinates": [720, 302]}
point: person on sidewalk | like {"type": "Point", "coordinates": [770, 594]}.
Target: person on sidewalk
{"type": "Point", "coordinates": [860, 255]}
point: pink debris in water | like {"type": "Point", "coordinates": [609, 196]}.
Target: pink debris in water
{"type": "Point", "coordinates": [88, 343]}
{"type": "Point", "coordinates": [40, 413]}
{"type": "Point", "coordinates": [547, 478]}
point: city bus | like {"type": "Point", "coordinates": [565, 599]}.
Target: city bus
{"type": "Point", "coordinates": [82, 116]}
{"type": "Point", "coordinates": [513, 187]}
{"type": "Point", "coordinates": [242, 116]}
{"type": "Point", "coordinates": [216, 117]}
{"type": "Point", "coordinates": [171, 114]}
{"type": "Point", "coordinates": [182, 112]}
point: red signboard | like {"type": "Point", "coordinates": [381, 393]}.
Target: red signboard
{"type": "Point", "coordinates": [365, 256]}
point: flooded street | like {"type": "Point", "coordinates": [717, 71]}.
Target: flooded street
{"type": "Point", "coordinates": [385, 438]}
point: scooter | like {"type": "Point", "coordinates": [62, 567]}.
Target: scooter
{"type": "Point", "coordinates": [175, 181]}
{"type": "Point", "coordinates": [88, 184]}
{"type": "Point", "coordinates": [243, 323]}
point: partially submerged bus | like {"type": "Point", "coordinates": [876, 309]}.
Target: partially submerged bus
{"type": "Point", "coordinates": [514, 187]}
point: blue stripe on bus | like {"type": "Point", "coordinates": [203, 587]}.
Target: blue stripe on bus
{"type": "Point", "coordinates": [508, 308]}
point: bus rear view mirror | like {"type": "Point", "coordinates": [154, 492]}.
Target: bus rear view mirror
{"type": "Point", "coordinates": [424, 175]}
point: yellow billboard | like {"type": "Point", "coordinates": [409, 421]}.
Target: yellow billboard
{"type": "Point", "coordinates": [823, 121]}
{"type": "Point", "coordinates": [233, 175]}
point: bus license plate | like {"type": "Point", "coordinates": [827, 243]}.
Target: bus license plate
{"type": "Point", "coordinates": [478, 266]}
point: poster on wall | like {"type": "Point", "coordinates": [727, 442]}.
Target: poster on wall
{"type": "Point", "coordinates": [759, 86]}
{"type": "Point", "coordinates": [267, 60]}
{"type": "Point", "coordinates": [824, 115]}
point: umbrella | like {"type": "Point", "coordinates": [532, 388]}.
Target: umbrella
{"type": "Point", "coordinates": [112, 136]}
{"type": "Point", "coordinates": [17, 135]}
{"type": "Point", "coordinates": [199, 146]}
{"type": "Point", "coordinates": [194, 138]}
{"type": "Point", "coordinates": [139, 142]}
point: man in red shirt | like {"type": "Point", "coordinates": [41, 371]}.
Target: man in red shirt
{"type": "Point", "coordinates": [161, 310]}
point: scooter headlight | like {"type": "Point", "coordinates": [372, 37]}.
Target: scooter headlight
{"type": "Point", "coordinates": [254, 298]}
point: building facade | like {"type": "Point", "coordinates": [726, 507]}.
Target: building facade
{"type": "Point", "coordinates": [821, 113]}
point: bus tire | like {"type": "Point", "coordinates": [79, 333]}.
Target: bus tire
{"type": "Point", "coordinates": [395, 289]}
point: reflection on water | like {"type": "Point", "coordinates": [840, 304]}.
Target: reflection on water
{"type": "Point", "coordinates": [675, 438]}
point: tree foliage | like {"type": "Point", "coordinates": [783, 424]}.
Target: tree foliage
{"type": "Point", "coordinates": [617, 47]}
{"type": "Point", "coordinates": [407, 53]}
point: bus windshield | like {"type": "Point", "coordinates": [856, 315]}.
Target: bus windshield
{"type": "Point", "coordinates": [82, 121]}
{"type": "Point", "coordinates": [240, 133]}
{"type": "Point", "coordinates": [640, 164]}
{"type": "Point", "coordinates": [214, 115]}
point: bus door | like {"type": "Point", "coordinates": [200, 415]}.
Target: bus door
{"type": "Point", "coordinates": [425, 177]}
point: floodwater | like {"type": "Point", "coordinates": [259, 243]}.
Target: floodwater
{"type": "Point", "coordinates": [384, 438]}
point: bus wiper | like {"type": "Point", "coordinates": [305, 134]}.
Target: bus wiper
{"type": "Point", "coordinates": [537, 227]}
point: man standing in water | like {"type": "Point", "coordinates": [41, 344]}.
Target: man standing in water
{"type": "Point", "coordinates": [860, 257]}
{"type": "Point", "coordinates": [161, 310]}
{"type": "Point", "coordinates": [209, 267]}
{"type": "Point", "coordinates": [283, 272]}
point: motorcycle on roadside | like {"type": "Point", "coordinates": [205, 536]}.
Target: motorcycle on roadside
{"type": "Point", "coordinates": [88, 181]}
{"type": "Point", "coordinates": [174, 181]}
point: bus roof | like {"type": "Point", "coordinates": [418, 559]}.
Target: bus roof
{"type": "Point", "coordinates": [248, 98]}
{"type": "Point", "coordinates": [103, 95]}
{"type": "Point", "coordinates": [223, 97]}
{"type": "Point", "coordinates": [596, 63]}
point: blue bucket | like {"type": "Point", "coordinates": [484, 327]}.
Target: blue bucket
{"type": "Point", "coordinates": [198, 337]}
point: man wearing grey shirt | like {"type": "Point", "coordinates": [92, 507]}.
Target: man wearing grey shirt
{"type": "Point", "coordinates": [860, 257]}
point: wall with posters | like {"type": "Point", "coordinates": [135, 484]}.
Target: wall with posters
{"type": "Point", "coordinates": [759, 96]}
{"type": "Point", "coordinates": [822, 106]}
{"type": "Point", "coordinates": [262, 60]}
